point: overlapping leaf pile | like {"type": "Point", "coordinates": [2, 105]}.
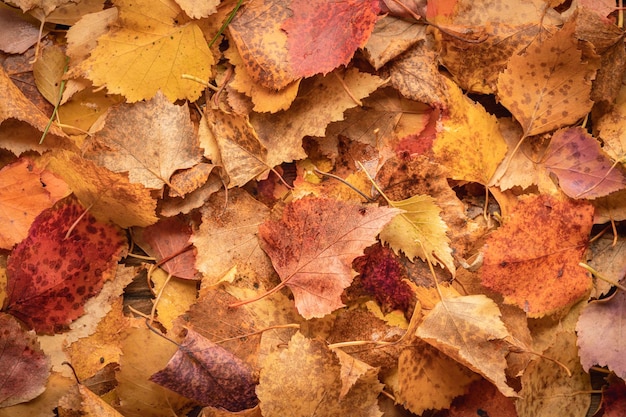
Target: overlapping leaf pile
{"type": "Point", "coordinates": [335, 204]}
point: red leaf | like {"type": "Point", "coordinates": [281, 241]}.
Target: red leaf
{"type": "Point", "coordinates": [382, 276]}
{"type": "Point", "coordinates": [322, 35]}
{"type": "Point", "coordinates": [209, 374]}
{"type": "Point", "coordinates": [24, 368]}
{"type": "Point", "coordinates": [169, 239]}
{"type": "Point", "coordinates": [584, 171]}
{"type": "Point", "coordinates": [50, 277]}
{"type": "Point", "coordinates": [312, 248]}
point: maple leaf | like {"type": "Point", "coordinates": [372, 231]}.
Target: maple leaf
{"type": "Point", "coordinates": [323, 35]}
{"type": "Point", "coordinates": [24, 368]}
{"type": "Point", "coordinates": [312, 248]}
{"type": "Point", "coordinates": [583, 170]}
{"type": "Point", "coordinates": [168, 241]}
{"type": "Point", "coordinates": [600, 334]}
{"type": "Point", "coordinates": [51, 276]}
{"type": "Point", "coordinates": [149, 52]}
{"type": "Point", "coordinates": [153, 150]}
{"type": "Point", "coordinates": [209, 374]}
{"type": "Point", "coordinates": [469, 329]}
{"type": "Point", "coordinates": [317, 390]}
{"type": "Point", "coordinates": [550, 73]}
{"type": "Point", "coordinates": [419, 231]}
{"type": "Point", "coordinates": [25, 192]}
{"type": "Point", "coordinates": [534, 264]}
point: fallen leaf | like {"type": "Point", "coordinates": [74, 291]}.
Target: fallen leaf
{"type": "Point", "coordinates": [317, 390]}
{"type": "Point", "coordinates": [25, 192]}
{"type": "Point", "coordinates": [536, 84]}
{"type": "Point", "coordinates": [428, 379]}
{"type": "Point", "coordinates": [149, 52]}
{"type": "Point", "coordinates": [49, 70]}
{"type": "Point", "coordinates": [40, 291]}
{"type": "Point", "coordinates": [24, 368]}
{"type": "Point", "coordinates": [81, 401]}
{"type": "Point", "coordinates": [533, 258]}
{"type": "Point", "coordinates": [548, 390]}
{"type": "Point", "coordinates": [583, 169]}
{"type": "Point", "coordinates": [161, 142]}
{"type": "Point", "coordinates": [391, 37]}
{"type": "Point", "coordinates": [469, 329]}
{"type": "Point", "coordinates": [321, 100]}
{"type": "Point", "coordinates": [600, 334]}
{"type": "Point", "coordinates": [175, 296]}
{"type": "Point", "coordinates": [169, 242]}
{"type": "Point", "coordinates": [109, 196]}
{"type": "Point", "coordinates": [197, 9]}
{"type": "Point", "coordinates": [312, 248]}
{"type": "Point", "coordinates": [483, 397]}
{"type": "Point", "coordinates": [614, 397]}
{"type": "Point", "coordinates": [19, 31]}
{"type": "Point", "coordinates": [262, 44]}
{"type": "Point", "coordinates": [241, 153]}
{"type": "Point", "coordinates": [209, 374]}
{"type": "Point", "coordinates": [419, 232]}
{"type": "Point", "coordinates": [466, 127]}
{"type": "Point", "coordinates": [322, 36]}
{"type": "Point", "coordinates": [43, 405]}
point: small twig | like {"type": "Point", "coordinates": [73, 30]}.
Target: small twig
{"type": "Point", "coordinates": [602, 277]}
{"type": "Point", "coordinates": [347, 90]}
{"type": "Point", "coordinates": [361, 193]}
{"type": "Point", "coordinates": [73, 370]}
{"type": "Point", "coordinates": [58, 103]}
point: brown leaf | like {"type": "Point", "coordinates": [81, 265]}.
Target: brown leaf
{"type": "Point", "coordinates": [536, 84]}
{"type": "Point", "coordinates": [24, 369]}
{"type": "Point", "coordinates": [151, 152]}
{"type": "Point", "coordinates": [209, 374]}
{"type": "Point", "coordinates": [312, 248]}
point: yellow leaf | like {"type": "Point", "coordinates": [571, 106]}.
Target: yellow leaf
{"type": "Point", "coordinates": [48, 71]}
{"type": "Point", "coordinates": [177, 296]}
{"type": "Point", "coordinates": [468, 142]}
{"type": "Point", "coordinates": [548, 87]}
{"type": "Point", "coordinates": [469, 330]}
{"type": "Point", "coordinates": [150, 52]}
{"type": "Point", "coordinates": [419, 231]}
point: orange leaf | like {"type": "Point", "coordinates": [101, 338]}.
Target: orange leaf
{"type": "Point", "coordinates": [312, 248]}
{"type": "Point", "coordinates": [533, 259]}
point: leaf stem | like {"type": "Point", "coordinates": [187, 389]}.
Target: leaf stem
{"type": "Point", "coordinates": [361, 193]}
{"type": "Point", "coordinates": [58, 103]}
{"type": "Point", "coordinates": [602, 277]}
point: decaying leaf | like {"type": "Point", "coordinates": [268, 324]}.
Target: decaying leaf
{"type": "Point", "coordinates": [24, 368]}
{"type": "Point", "coordinates": [53, 272]}
{"type": "Point", "coordinates": [312, 248]}
{"type": "Point", "coordinates": [209, 374]}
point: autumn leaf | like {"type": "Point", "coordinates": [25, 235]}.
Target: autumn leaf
{"type": "Point", "coordinates": [547, 389]}
{"type": "Point", "coordinates": [24, 368]}
{"type": "Point", "coordinates": [483, 396]}
{"type": "Point", "coordinates": [600, 330]}
{"type": "Point", "coordinates": [428, 379]}
{"type": "Point", "coordinates": [549, 73]}
{"type": "Point", "coordinates": [25, 192]}
{"type": "Point", "coordinates": [168, 241]}
{"type": "Point", "coordinates": [312, 248]}
{"type": "Point", "coordinates": [162, 141]}
{"type": "Point", "coordinates": [470, 330]}
{"type": "Point", "coordinates": [533, 259]}
{"type": "Point", "coordinates": [582, 168]}
{"type": "Point", "coordinates": [40, 291]}
{"type": "Point", "coordinates": [82, 401]}
{"type": "Point", "coordinates": [322, 36]}
{"type": "Point", "coordinates": [468, 129]}
{"type": "Point", "coordinates": [317, 390]}
{"type": "Point", "coordinates": [109, 196]}
{"type": "Point", "coordinates": [149, 52]}
{"type": "Point", "coordinates": [419, 232]}
{"type": "Point", "coordinates": [209, 374]}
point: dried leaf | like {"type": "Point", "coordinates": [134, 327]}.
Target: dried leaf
{"type": "Point", "coordinates": [209, 374]}
{"type": "Point", "coordinates": [312, 248]}
{"type": "Point", "coordinates": [51, 276]}
{"type": "Point", "coordinates": [536, 84]}
{"type": "Point", "coordinates": [533, 259]}
{"type": "Point", "coordinates": [151, 152]}
{"type": "Point", "coordinates": [24, 368]}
